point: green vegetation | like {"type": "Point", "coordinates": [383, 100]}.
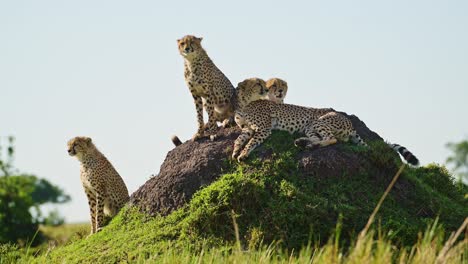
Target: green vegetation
{"type": "Point", "coordinates": [21, 196]}
{"type": "Point", "coordinates": [62, 234]}
{"type": "Point", "coordinates": [268, 203]}
{"type": "Point", "coordinates": [371, 248]}
{"type": "Point", "coordinates": [134, 245]}
{"type": "Point", "coordinates": [459, 158]}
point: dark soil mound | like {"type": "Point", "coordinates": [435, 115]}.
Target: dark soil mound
{"type": "Point", "coordinates": [185, 170]}
{"type": "Point", "coordinates": [192, 165]}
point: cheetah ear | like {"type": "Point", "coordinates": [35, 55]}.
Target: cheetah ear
{"type": "Point", "coordinates": [88, 140]}
{"type": "Point", "coordinates": [199, 39]}
{"type": "Point", "coordinates": [241, 84]}
{"type": "Point", "coordinates": [178, 41]}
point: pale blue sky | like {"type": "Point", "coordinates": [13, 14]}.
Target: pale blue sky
{"type": "Point", "coordinates": [110, 70]}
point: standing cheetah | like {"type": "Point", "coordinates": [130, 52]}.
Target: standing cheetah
{"type": "Point", "coordinates": [105, 189]}
{"type": "Point", "coordinates": [210, 88]}
{"type": "Point", "coordinates": [322, 127]}
{"type": "Point", "coordinates": [247, 91]}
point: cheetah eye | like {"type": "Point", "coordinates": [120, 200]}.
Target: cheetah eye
{"type": "Point", "coordinates": [182, 43]}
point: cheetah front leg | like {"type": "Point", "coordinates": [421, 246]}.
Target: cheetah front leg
{"type": "Point", "coordinates": [246, 134]}
{"type": "Point", "coordinates": [255, 141]}
{"type": "Point", "coordinates": [92, 210]}
{"type": "Point", "coordinates": [211, 127]}
{"type": "Point", "coordinates": [199, 107]}
{"type": "Point", "coordinates": [99, 211]}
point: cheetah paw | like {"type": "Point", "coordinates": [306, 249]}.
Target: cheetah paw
{"type": "Point", "coordinates": [242, 157]}
{"type": "Point", "coordinates": [196, 137]}
{"type": "Point", "coordinates": [228, 123]}
{"type": "Point", "coordinates": [301, 142]}
{"type": "Point", "coordinates": [90, 234]}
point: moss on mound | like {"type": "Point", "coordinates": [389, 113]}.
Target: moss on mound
{"type": "Point", "coordinates": [272, 202]}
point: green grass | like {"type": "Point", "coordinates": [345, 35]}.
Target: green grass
{"type": "Point", "coordinates": [52, 236]}
{"type": "Point", "coordinates": [273, 205]}
{"type": "Point", "coordinates": [372, 248]}
{"type": "Point", "coordinates": [60, 235]}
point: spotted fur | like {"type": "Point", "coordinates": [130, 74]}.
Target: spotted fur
{"type": "Point", "coordinates": [247, 91]}
{"type": "Point", "coordinates": [210, 88]}
{"type": "Point", "coordinates": [104, 188]}
{"type": "Point", "coordinates": [322, 127]}
{"type": "Point", "coordinates": [277, 90]}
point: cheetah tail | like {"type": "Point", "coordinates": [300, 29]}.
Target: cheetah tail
{"type": "Point", "coordinates": [176, 141]}
{"type": "Point", "coordinates": [405, 153]}
{"type": "Point", "coordinates": [356, 139]}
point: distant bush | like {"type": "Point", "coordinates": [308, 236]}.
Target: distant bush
{"type": "Point", "coordinates": [459, 158]}
{"type": "Point", "coordinates": [21, 196]}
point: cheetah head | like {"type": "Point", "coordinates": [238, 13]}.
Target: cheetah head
{"type": "Point", "coordinates": [189, 46]}
{"type": "Point", "coordinates": [250, 90]}
{"type": "Point", "coordinates": [78, 146]}
{"type": "Point", "coordinates": [277, 89]}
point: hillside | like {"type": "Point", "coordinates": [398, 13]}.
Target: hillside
{"type": "Point", "coordinates": [282, 194]}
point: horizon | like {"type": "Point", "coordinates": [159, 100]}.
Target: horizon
{"type": "Point", "coordinates": [111, 71]}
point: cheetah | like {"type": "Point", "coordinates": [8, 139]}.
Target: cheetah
{"type": "Point", "coordinates": [210, 88]}
{"type": "Point", "coordinates": [277, 90]}
{"type": "Point", "coordinates": [104, 188]}
{"type": "Point", "coordinates": [322, 127]}
{"type": "Point", "coordinates": [247, 91]}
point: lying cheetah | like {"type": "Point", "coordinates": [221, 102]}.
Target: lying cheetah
{"type": "Point", "coordinates": [210, 88]}
{"type": "Point", "coordinates": [105, 189]}
{"type": "Point", "coordinates": [247, 91]}
{"type": "Point", "coordinates": [322, 127]}
{"type": "Point", "coordinates": [277, 90]}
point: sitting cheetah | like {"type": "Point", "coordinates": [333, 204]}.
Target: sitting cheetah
{"type": "Point", "coordinates": [322, 127]}
{"type": "Point", "coordinates": [277, 90]}
{"type": "Point", "coordinates": [247, 91]}
{"type": "Point", "coordinates": [105, 189]}
{"type": "Point", "coordinates": [210, 88]}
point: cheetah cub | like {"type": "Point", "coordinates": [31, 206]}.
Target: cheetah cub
{"type": "Point", "coordinates": [277, 90]}
{"type": "Point", "coordinates": [105, 189]}
{"type": "Point", "coordinates": [210, 88]}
